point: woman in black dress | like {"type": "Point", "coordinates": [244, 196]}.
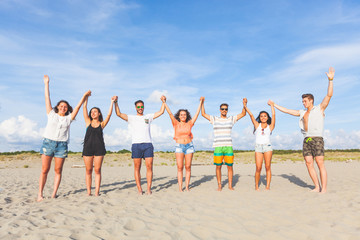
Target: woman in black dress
{"type": "Point", "coordinates": [94, 146]}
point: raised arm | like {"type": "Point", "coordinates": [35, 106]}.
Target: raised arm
{"type": "Point", "coordinates": [288, 111]}
{"type": "Point", "coordinates": [107, 119]}
{"type": "Point", "coordinates": [77, 108]}
{"type": "Point", "coordinates": [121, 115]}
{"type": "Point", "coordinates": [272, 124]}
{"type": "Point", "coordinates": [242, 114]}
{"type": "Point", "coordinates": [207, 116]}
{"type": "Point", "coordinates": [47, 94]}
{"type": "Point", "coordinates": [326, 100]}
{"type": "Point", "coordinates": [85, 112]}
{"type": "Point", "coordinates": [172, 118]}
{"type": "Point", "coordinates": [193, 120]}
{"type": "Point", "coordinates": [252, 118]}
{"type": "Point", "coordinates": [161, 111]}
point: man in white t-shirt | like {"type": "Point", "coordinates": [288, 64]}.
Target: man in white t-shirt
{"type": "Point", "coordinates": [142, 146]}
{"type": "Point", "coordinates": [312, 127]}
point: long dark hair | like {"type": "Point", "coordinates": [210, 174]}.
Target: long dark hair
{"type": "Point", "coordinates": [100, 116]}
{"type": "Point", "coordinates": [258, 118]}
{"type": "Point", "coordinates": [188, 116]}
{"type": "Point", "coordinates": [70, 109]}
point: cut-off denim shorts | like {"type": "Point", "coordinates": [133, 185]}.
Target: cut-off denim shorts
{"type": "Point", "coordinates": [263, 148]}
{"type": "Point", "coordinates": [184, 148]}
{"type": "Point", "coordinates": [53, 148]}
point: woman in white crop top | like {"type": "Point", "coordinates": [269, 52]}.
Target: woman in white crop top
{"type": "Point", "coordinates": [56, 138]}
{"type": "Point", "coordinates": [263, 127]}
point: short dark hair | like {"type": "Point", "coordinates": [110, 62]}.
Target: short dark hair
{"type": "Point", "coordinates": [139, 101]}
{"type": "Point", "coordinates": [188, 116]}
{"type": "Point", "coordinates": [100, 117]}
{"type": "Point", "coordinates": [70, 109]}
{"type": "Point", "coordinates": [308, 95]}
{"type": "Point", "coordinates": [224, 104]}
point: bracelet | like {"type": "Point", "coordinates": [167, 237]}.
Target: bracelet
{"type": "Point", "coordinates": [115, 101]}
{"type": "Point", "coordinates": [330, 79]}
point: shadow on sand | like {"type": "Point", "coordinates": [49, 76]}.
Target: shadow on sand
{"type": "Point", "coordinates": [294, 179]}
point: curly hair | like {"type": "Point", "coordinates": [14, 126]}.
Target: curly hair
{"type": "Point", "coordinates": [188, 116]}
{"type": "Point", "coordinates": [70, 109]}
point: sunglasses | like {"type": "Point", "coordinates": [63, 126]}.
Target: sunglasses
{"type": "Point", "coordinates": [140, 106]}
{"type": "Point", "coordinates": [223, 109]}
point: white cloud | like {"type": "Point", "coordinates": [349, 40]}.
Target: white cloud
{"type": "Point", "coordinates": [20, 130]}
{"type": "Point", "coordinates": [156, 94]}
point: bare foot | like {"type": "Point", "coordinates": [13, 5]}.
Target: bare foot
{"type": "Point", "coordinates": [187, 189]}
{"type": "Point", "coordinates": [231, 188]}
{"type": "Point", "coordinates": [315, 190]}
{"type": "Point", "coordinates": [323, 191]}
{"type": "Point", "coordinates": [257, 189]}
{"type": "Point", "coordinates": [267, 188]}
{"type": "Point", "coordinates": [54, 195]}
{"type": "Point", "coordinates": [97, 194]}
{"type": "Point", "coordinates": [140, 192]}
{"type": "Point", "coordinates": [219, 188]}
{"type": "Point", "coordinates": [40, 198]}
{"type": "Point", "coordinates": [149, 192]}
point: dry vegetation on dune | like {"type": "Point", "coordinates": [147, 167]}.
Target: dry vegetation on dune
{"type": "Point", "coordinates": [31, 159]}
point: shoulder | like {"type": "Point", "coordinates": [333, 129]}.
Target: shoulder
{"type": "Point", "coordinates": [302, 112]}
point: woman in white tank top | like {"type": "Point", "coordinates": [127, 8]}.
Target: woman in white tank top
{"type": "Point", "coordinates": [263, 126]}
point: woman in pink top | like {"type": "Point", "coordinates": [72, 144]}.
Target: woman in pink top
{"type": "Point", "coordinates": [182, 123]}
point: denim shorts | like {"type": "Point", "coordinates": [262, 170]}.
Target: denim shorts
{"type": "Point", "coordinates": [262, 148]}
{"type": "Point", "coordinates": [142, 150]}
{"type": "Point", "coordinates": [56, 149]}
{"type": "Point", "coordinates": [184, 148]}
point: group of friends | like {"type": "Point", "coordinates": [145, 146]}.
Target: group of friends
{"type": "Point", "coordinates": [56, 138]}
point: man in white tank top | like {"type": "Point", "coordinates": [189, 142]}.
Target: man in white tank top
{"type": "Point", "coordinates": [312, 127]}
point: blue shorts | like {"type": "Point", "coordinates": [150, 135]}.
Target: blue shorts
{"type": "Point", "coordinates": [142, 150]}
{"type": "Point", "coordinates": [184, 148]}
{"type": "Point", "coordinates": [54, 148]}
{"type": "Point", "coordinates": [263, 148]}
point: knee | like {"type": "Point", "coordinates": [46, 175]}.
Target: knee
{"type": "Point", "coordinates": [89, 171]}
{"type": "Point", "coordinates": [45, 171]}
{"type": "Point", "coordinates": [309, 164]}
{"type": "Point", "coordinates": [58, 171]}
{"type": "Point", "coordinates": [258, 169]}
{"type": "Point", "coordinates": [188, 168]}
{"type": "Point", "coordinates": [267, 167]}
{"type": "Point", "coordinates": [149, 167]}
{"type": "Point", "coordinates": [97, 171]}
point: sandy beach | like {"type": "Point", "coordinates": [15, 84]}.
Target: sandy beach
{"type": "Point", "coordinates": [288, 211]}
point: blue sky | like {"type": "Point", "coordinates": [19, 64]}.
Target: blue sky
{"type": "Point", "coordinates": [223, 50]}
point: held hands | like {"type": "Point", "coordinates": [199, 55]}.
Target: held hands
{"type": "Point", "coordinates": [245, 102]}
{"type": "Point", "coordinates": [270, 103]}
{"type": "Point", "coordinates": [202, 99]}
{"type": "Point", "coordinates": [163, 98]}
{"type": "Point", "coordinates": [46, 79]}
{"type": "Point", "coordinates": [114, 99]}
{"type": "Point", "coordinates": [87, 94]}
{"type": "Point", "coordinates": [331, 73]}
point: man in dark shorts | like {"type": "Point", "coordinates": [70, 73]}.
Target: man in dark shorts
{"type": "Point", "coordinates": [142, 146]}
{"type": "Point", "coordinates": [312, 127]}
